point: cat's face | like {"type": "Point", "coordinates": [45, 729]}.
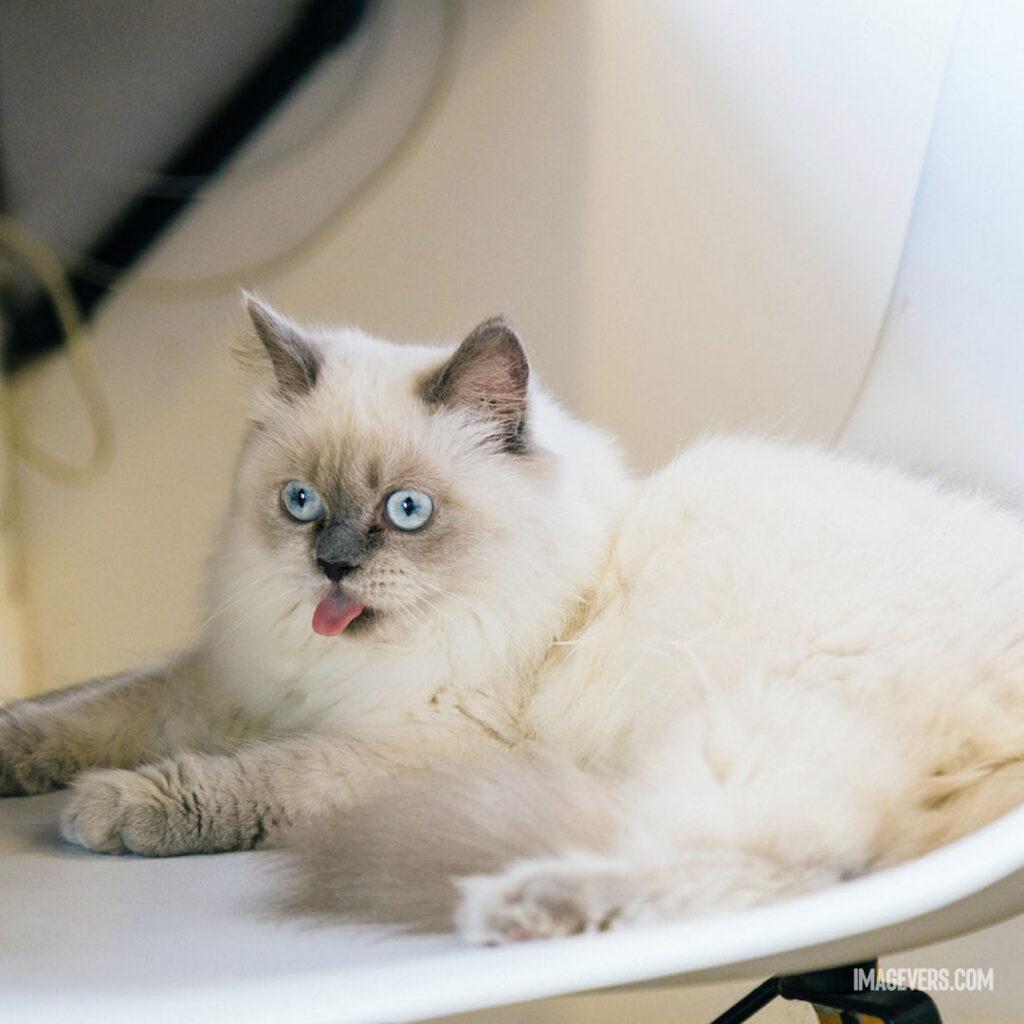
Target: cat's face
{"type": "Point", "coordinates": [381, 481]}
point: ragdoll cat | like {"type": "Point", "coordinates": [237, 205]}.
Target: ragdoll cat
{"type": "Point", "coordinates": [493, 678]}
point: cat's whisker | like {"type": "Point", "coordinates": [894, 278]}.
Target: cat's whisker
{"type": "Point", "coordinates": [238, 596]}
{"type": "Point", "coordinates": [253, 610]}
{"type": "Point", "coordinates": [509, 635]}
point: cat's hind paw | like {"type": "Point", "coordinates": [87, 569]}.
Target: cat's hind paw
{"type": "Point", "coordinates": [543, 899]}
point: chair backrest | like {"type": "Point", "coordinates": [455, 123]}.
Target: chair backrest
{"type": "Point", "coordinates": [946, 389]}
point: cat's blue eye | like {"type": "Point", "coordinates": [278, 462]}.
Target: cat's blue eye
{"type": "Point", "coordinates": [301, 502]}
{"type": "Point", "coordinates": [408, 510]}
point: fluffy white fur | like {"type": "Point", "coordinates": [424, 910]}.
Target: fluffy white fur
{"type": "Point", "coordinates": [590, 699]}
{"type": "Point", "coordinates": [794, 665]}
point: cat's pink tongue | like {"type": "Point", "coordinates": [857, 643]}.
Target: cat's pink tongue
{"type": "Point", "coordinates": [335, 613]}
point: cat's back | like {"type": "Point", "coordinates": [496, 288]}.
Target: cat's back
{"type": "Point", "coordinates": [803, 554]}
{"type": "Point", "coordinates": [768, 502]}
{"type": "Point", "coordinates": [753, 566]}
{"type": "Point", "coordinates": [793, 561]}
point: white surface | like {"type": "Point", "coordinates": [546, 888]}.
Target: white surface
{"type": "Point", "coordinates": [752, 176]}
{"type": "Point", "coordinates": [105, 939]}
{"type": "Point", "coordinates": [947, 388]}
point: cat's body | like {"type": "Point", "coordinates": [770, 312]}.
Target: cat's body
{"type": "Point", "coordinates": [761, 669]}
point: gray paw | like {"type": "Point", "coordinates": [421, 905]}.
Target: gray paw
{"type": "Point", "coordinates": [32, 760]}
{"type": "Point", "coordinates": [163, 810]}
{"type": "Point", "coordinates": [112, 810]}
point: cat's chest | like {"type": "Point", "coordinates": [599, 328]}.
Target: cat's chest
{"type": "Point", "coordinates": [355, 689]}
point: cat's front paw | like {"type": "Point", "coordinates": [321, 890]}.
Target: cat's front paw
{"type": "Point", "coordinates": [113, 810]}
{"type": "Point", "coordinates": [541, 899]}
{"type": "Point", "coordinates": [33, 759]}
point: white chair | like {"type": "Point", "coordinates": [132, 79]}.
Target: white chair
{"type": "Point", "coordinates": [91, 939]}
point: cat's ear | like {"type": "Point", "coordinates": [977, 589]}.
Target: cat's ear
{"type": "Point", "coordinates": [488, 376]}
{"type": "Point", "coordinates": [294, 357]}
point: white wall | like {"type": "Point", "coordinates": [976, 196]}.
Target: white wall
{"type": "Point", "coordinates": [947, 389]}
{"type": "Point", "coordinates": [752, 175]}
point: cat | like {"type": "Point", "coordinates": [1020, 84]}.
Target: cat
{"type": "Point", "coordinates": [476, 673]}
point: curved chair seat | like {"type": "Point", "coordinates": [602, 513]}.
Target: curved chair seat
{"type": "Point", "coordinates": [91, 938]}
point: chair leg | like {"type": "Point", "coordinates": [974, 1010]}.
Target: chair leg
{"type": "Point", "coordinates": [750, 1003]}
{"type": "Point", "coordinates": [838, 999]}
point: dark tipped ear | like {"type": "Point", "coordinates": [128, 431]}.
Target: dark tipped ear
{"type": "Point", "coordinates": [295, 358]}
{"type": "Point", "coordinates": [488, 376]}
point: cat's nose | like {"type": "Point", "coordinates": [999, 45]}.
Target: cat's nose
{"type": "Point", "coordinates": [334, 571]}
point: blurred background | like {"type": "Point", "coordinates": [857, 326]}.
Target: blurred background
{"type": "Point", "coordinates": [794, 216]}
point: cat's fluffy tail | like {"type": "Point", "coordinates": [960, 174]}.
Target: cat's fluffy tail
{"type": "Point", "coordinates": [394, 859]}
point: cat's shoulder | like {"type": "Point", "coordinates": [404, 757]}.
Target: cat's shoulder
{"type": "Point", "coordinates": [754, 481]}
{"type": "Point", "coordinates": [758, 480]}
{"type": "Point", "coordinates": [751, 458]}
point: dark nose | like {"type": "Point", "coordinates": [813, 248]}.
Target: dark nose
{"type": "Point", "coordinates": [334, 571]}
{"type": "Point", "coordinates": [341, 547]}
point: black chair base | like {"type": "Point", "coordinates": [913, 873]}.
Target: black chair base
{"type": "Point", "coordinates": [839, 996]}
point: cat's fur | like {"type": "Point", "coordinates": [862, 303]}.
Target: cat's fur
{"type": "Point", "coordinates": [581, 699]}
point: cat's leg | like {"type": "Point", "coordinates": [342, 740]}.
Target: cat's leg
{"type": "Point", "coordinates": [197, 803]}
{"type": "Point", "coordinates": [584, 892]}
{"type": "Point", "coordinates": [748, 801]}
{"type": "Point", "coordinates": [120, 721]}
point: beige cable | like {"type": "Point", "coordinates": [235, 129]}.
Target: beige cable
{"type": "Point", "coordinates": [26, 251]}
{"type": "Point", "coordinates": [47, 268]}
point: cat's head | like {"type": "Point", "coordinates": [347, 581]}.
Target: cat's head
{"type": "Point", "coordinates": [383, 485]}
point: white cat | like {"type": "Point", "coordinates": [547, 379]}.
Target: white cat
{"type": "Point", "coordinates": [489, 676]}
